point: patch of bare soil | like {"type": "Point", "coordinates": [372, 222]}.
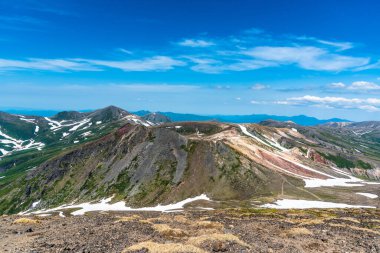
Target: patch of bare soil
{"type": "Point", "coordinates": [233, 230]}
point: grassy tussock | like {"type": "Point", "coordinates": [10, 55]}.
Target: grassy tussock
{"type": "Point", "coordinates": [181, 219]}
{"type": "Point", "coordinates": [298, 231]}
{"type": "Point", "coordinates": [152, 220]}
{"type": "Point", "coordinates": [199, 240]}
{"type": "Point", "coordinates": [356, 228]}
{"type": "Point", "coordinates": [128, 218]}
{"type": "Point", "coordinates": [26, 221]}
{"type": "Point", "coordinates": [208, 225]}
{"type": "Point", "coordinates": [305, 222]}
{"type": "Point", "coordinates": [349, 219]}
{"type": "Point", "coordinates": [154, 247]}
{"type": "Point", "coordinates": [167, 231]}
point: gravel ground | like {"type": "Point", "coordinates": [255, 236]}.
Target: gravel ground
{"type": "Point", "coordinates": [233, 230]}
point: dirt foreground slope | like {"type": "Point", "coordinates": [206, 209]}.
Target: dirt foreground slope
{"type": "Point", "coordinates": [234, 230]}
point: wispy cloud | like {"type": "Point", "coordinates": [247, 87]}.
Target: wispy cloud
{"type": "Point", "coordinates": [311, 58]}
{"type": "Point", "coordinates": [22, 23]}
{"type": "Point", "coordinates": [195, 43]}
{"type": "Point", "coordinates": [250, 51]}
{"type": "Point", "coordinates": [363, 85]}
{"type": "Point", "coordinates": [367, 104]}
{"type": "Point", "coordinates": [356, 86]}
{"type": "Point", "coordinates": [58, 65]}
{"type": "Point", "coordinates": [103, 88]}
{"type": "Point", "coordinates": [337, 85]}
{"type": "Point", "coordinates": [211, 66]}
{"type": "Point", "coordinates": [375, 65]}
{"type": "Point", "coordinates": [156, 63]}
{"type": "Point", "coordinates": [125, 51]}
{"type": "Point", "coordinates": [338, 45]}
{"type": "Point", "coordinates": [244, 52]}
{"type": "Point", "coordinates": [260, 86]}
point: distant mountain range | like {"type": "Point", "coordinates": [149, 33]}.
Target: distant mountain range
{"type": "Point", "coordinates": [253, 118]}
{"type": "Point", "coordinates": [177, 117]}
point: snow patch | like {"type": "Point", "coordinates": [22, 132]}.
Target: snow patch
{"type": "Point", "coordinates": [44, 215]}
{"type": "Point", "coordinates": [86, 134]}
{"type": "Point", "coordinates": [3, 152]}
{"type": "Point", "coordinates": [331, 182]}
{"type": "Point", "coordinates": [245, 131]}
{"type": "Point", "coordinates": [351, 181]}
{"type": "Point", "coordinates": [368, 195]}
{"type": "Point", "coordinates": [104, 205]}
{"type": "Point", "coordinates": [79, 124]}
{"type": "Point", "coordinates": [304, 204]}
{"type": "Point", "coordinates": [27, 120]}
{"type": "Point", "coordinates": [35, 204]}
{"type": "Point", "coordinates": [18, 145]}
{"type": "Point", "coordinates": [54, 125]}
{"type": "Point", "coordinates": [136, 120]}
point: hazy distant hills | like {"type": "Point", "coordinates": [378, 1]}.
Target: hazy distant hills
{"type": "Point", "coordinates": [175, 117]}
{"type": "Point", "coordinates": [254, 118]}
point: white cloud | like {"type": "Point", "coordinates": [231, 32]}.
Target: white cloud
{"type": "Point", "coordinates": [124, 51]}
{"type": "Point", "coordinates": [259, 86]}
{"type": "Point", "coordinates": [367, 104]}
{"type": "Point", "coordinates": [369, 108]}
{"type": "Point", "coordinates": [337, 85]}
{"type": "Point", "coordinates": [114, 88]}
{"type": "Point", "coordinates": [363, 85]}
{"type": "Point", "coordinates": [315, 99]}
{"type": "Point", "coordinates": [374, 101]}
{"type": "Point", "coordinates": [375, 65]}
{"type": "Point", "coordinates": [218, 55]}
{"type": "Point", "coordinates": [58, 65]}
{"type": "Point", "coordinates": [254, 102]}
{"type": "Point", "coordinates": [211, 66]}
{"type": "Point", "coordinates": [155, 63]}
{"type": "Point", "coordinates": [357, 86]}
{"type": "Point", "coordinates": [195, 43]}
{"type": "Point", "coordinates": [340, 45]}
{"type": "Point", "coordinates": [307, 57]}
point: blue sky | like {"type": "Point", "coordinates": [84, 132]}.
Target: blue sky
{"type": "Point", "coordinates": [318, 58]}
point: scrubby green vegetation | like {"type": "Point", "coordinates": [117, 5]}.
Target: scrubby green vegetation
{"type": "Point", "coordinates": [340, 161]}
{"type": "Point", "coordinates": [363, 165]}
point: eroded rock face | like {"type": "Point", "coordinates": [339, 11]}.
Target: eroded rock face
{"type": "Point", "coordinates": [312, 154]}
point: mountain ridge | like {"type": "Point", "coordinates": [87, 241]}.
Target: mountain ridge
{"type": "Point", "coordinates": [253, 118]}
{"type": "Point", "coordinates": [110, 152]}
